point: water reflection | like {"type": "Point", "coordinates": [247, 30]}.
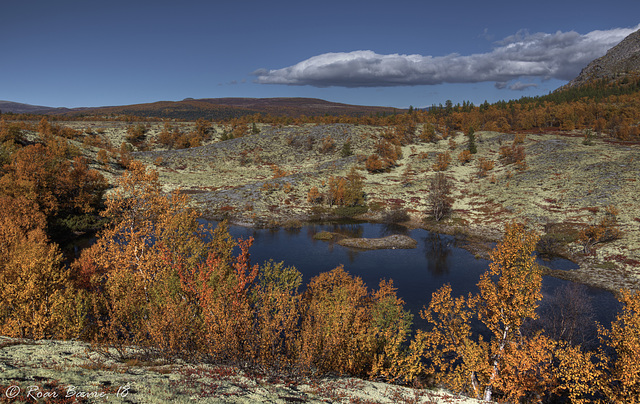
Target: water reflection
{"type": "Point", "coordinates": [568, 315]}
{"type": "Point", "coordinates": [294, 231]}
{"type": "Point", "coordinates": [389, 229]}
{"type": "Point", "coordinates": [349, 230]}
{"type": "Point", "coordinates": [437, 249]}
{"type": "Point", "coordinates": [417, 273]}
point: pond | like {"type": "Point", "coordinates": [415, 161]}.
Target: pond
{"type": "Point", "coordinates": [416, 273]}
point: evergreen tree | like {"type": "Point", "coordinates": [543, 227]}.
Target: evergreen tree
{"type": "Point", "coordinates": [472, 141]}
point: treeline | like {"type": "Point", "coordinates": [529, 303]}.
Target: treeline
{"type": "Point", "coordinates": [611, 108]}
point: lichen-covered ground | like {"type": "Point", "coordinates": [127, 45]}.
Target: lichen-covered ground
{"type": "Point", "coordinates": [34, 371]}
{"type": "Point", "coordinates": [565, 185]}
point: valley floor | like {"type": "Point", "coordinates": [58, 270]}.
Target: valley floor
{"type": "Point", "coordinates": [263, 180]}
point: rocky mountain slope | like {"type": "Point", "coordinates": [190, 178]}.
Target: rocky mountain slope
{"type": "Point", "coordinates": [622, 59]}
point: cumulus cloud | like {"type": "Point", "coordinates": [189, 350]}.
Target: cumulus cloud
{"type": "Point", "coordinates": [541, 55]}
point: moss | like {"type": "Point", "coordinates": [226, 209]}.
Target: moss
{"type": "Point", "coordinates": [606, 265]}
{"type": "Point", "coordinates": [557, 237]}
{"type": "Point", "coordinates": [376, 206]}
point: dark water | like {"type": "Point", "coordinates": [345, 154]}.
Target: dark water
{"type": "Point", "coordinates": [416, 273]}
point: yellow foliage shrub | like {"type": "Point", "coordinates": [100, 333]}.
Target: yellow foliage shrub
{"type": "Point", "coordinates": [442, 161]}
{"type": "Point", "coordinates": [346, 329]}
{"type": "Point", "coordinates": [464, 156]}
{"type": "Point", "coordinates": [38, 299]}
{"type": "Point", "coordinates": [484, 166]}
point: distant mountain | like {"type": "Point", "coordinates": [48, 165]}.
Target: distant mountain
{"type": "Point", "coordinates": [18, 108]}
{"type": "Point", "coordinates": [221, 108]}
{"type": "Point", "coordinates": [622, 59]}
{"type": "Point", "coordinates": [210, 108]}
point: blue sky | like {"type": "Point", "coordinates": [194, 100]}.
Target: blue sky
{"type": "Point", "coordinates": [400, 53]}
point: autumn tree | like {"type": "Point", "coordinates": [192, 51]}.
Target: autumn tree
{"type": "Point", "coordinates": [10, 132]}
{"type": "Point", "coordinates": [484, 166]}
{"type": "Point", "coordinates": [346, 191]}
{"type": "Point", "coordinates": [385, 157]}
{"type": "Point", "coordinates": [137, 135]}
{"type": "Point", "coordinates": [126, 260]}
{"type": "Point", "coordinates": [620, 380]}
{"type": "Point", "coordinates": [509, 361]}
{"type": "Point", "coordinates": [428, 133]}
{"type": "Point", "coordinates": [348, 329]}
{"type": "Point", "coordinates": [464, 156]}
{"type": "Point", "coordinates": [38, 298]}
{"type": "Point", "coordinates": [277, 310]}
{"type": "Point", "coordinates": [66, 192]}
{"type": "Point", "coordinates": [442, 161]}
{"type": "Point", "coordinates": [203, 129]}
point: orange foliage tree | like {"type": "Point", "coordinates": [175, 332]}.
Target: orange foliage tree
{"type": "Point", "coordinates": [442, 161]}
{"type": "Point", "coordinates": [347, 329]}
{"type": "Point", "coordinates": [125, 262]}
{"type": "Point", "coordinates": [620, 379]}
{"type": "Point", "coordinates": [38, 298]}
{"type": "Point", "coordinates": [385, 157]}
{"type": "Point", "coordinates": [508, 361]}
{"type": "Point", "coordinates": [346, 191]}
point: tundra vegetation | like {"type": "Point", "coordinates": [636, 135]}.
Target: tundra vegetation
{"type": "Point", "coordinates": [158, 279]}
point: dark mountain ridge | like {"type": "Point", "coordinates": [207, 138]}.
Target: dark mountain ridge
{"type": "Point", "coordinates": [211, 108]}
{"type": "Point", "coordinates": [19, 108]}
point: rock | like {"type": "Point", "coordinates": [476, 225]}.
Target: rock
{"type": "Point", "coordinates": [390, 242]}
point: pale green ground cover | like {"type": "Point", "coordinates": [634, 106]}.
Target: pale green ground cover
{"type": "Point", "coordinates": [28, 367]}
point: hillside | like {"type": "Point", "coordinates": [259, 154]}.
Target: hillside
{"type": "Point", "coordinates": [264, 179]}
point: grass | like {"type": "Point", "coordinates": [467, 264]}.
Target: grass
{"type": "Point", "coordinates": [606, 265]}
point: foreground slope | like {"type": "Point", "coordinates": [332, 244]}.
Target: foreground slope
{"type": "Point", "coordinates": [31, 369]}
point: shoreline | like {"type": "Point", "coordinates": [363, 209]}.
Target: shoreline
{"type": "Point", "coordinates": [478, 240]}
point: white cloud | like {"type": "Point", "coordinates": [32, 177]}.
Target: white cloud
{"type": "Point", "coordinates": [519, 86]}
{"type": "Point", "coordinates": [561, 56]}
